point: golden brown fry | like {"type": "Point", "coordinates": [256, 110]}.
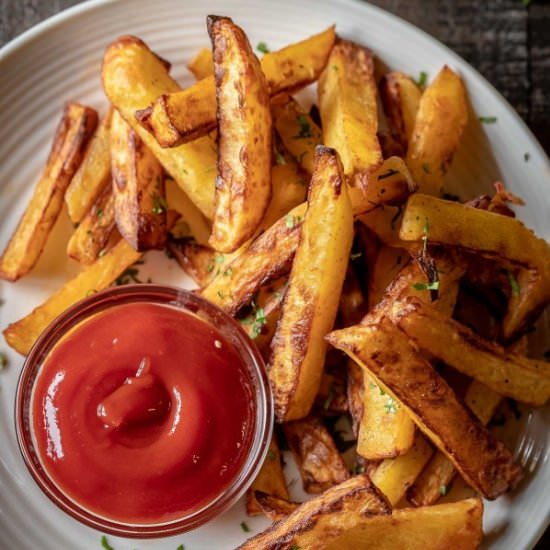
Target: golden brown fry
{"type": "Point", "coordinates": [317, 522]}
{"type": "Point", "coordinates": [506, 373]}
{"type": "Point", "coordinates": [270, 481]}
{"type": "Point", "coordinates": [202, 64]}
{"type": "Point", "coordinates": [315, 283]}
{"type": "Point", "coordinates": [243, 184]}
{"type": "Point", "coordinates": [94, 234]}
{"type": "Point", "coordinates": [297, 130]}
{"type": "Point", "coordinates": [195, 259]}
{"type": "Point", "coordinates": [440, 120]}
{"type": "Point", "coordinates": [75, 128]}
{"type": "Point", "coordinates": [176, 118]}
{"type": "Point", "coordinates": [93, 174]}
{"type": "Point", "coordinates": [457, 525]}
{"type": "Point", "coordinates": [273, 507]}
{"type": "Point", "coordinates": [400, 97]}
{"type": "Point", "coordinates": [482, 461]}
{"type": "Point", "coordinates": [133, 76]}
{"type": "Point", "coordinates": [321, 465]}
{"type": "Point", "coordinates": [349, 112]}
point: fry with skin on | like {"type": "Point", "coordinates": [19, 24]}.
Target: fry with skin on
{"type": "Point", "coordinates": [183, 116]}
{"type": "Point", "coordinates": [349, 112]}
{"type": "Point", "coordinates": [195, 259]}
{"type": "Point", "coordinates": [243, 184]}
{"type": "Point", "coordinates": [315, 282]}
{"type": "Point", "coordinates": [75, 128]}
{"type": "Point", "coordinates": [440, 121]}
{"type": "Point", "coordinates": [483, 462]}
{"type": "Point", "coordinates": [274, 508]}
{"type": "Point", "coordinates": [93, 174]}
{"type": "Point", "coordinates": [202, 64]}
{"type": "Point", "coordinates": [317, 522]}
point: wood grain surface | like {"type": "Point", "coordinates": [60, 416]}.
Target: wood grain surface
{"type": "Point", "coordinates": [508, 41]}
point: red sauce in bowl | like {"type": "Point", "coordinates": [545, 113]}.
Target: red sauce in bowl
{"type": "Point", "coordinates": [142, 413]}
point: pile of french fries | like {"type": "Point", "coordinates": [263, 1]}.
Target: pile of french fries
{"type": "Point", "coordinates": [315, 227]}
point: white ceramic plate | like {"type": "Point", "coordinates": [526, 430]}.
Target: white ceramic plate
{"type": "Point", "coordinates": [60, 59]}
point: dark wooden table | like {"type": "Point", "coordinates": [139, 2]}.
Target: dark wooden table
{"type": "Point", "coordinates": [508, 41]}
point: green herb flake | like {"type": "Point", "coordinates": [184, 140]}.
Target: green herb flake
{"type": "Point", "coordinates": [159, 205]}
{"type": "Point", "coordinates": [105, 543]}
{"type": "Point", "coordinates": [334, 68]}
{"type": "Point", "coordinates": [220, 294]}
{"type": "Point", "coordinates": [355, 256]}
{"type": "Point", "coordinates": [434, 285]}
{"type": "Point", "coordinates": [271, 455]}
{"type": "Point", "coordinates": [210, 268]}
{"type": "Point", "coordinates": [99, 212]}
{"type": "Point", "coordinates": [305, 128]}
{"type": "Point", "coordinates": [245, 527]}
{"type": "Point", "coordinates": [294, 547]}
{"type": "Point", "coordinates": [279, 158]}
{"type": "Point", "coordinates": [488, 119]}
{"type": "Point", "coordinates": [422, 79]}
{"type": "Point", "coordinates": [102, 253]}
{"type": "Point", "coordinates": [180, 547]}
{"type": "Point", "coordinates": [514, 285]}
{"type": "Point", "coordinates": [443, 490]}
{"type": "Point", "coordinates": [390, 407]}
{"type": "Point", "coordinates": [228, 272]}
{"type": "Point", "coordinates": [359, 469]}
{"type": "Point", "coordinates": [129, 275]}
{"type": "Point", "coordinates": [219, 259]}
{"type": "Point", "coordinates": [258, 322]}
{"type": "Point", "coordinates": [289, 221]}
{"type": "Point", "coordinates": [262, 47]}
{"type": "Point", "coordinates": [425, 235]}
{"type": "Point", "coordinates": [3, 360]}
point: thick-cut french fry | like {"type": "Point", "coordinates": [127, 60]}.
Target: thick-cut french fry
{"type": "Point", "coordinates": [138, 188]}
{"type": "Point", "coordinates": [349, 112]}
{"type": "Point", "coordinates": [176, 118]}
{"type": "Point", "coordinates": [297, 130]}
{"type": "Point", "coordinates": [93, 174]}
{"type": "Point", "coordinates": [133, 76]}
{"type": "Point", "coordinates": [311, 301]}
{"type": "Point", "coordinates": [96, 231]}
{"type": "Point", "coordinates": [195, 259]}
{"type": "Point", "coordinates": [243, 185]}
{"type": "Point", "coordinates": [27, 242]}
{"type": "Point", "coordinates": [400, 97]}
{"type": "Point", "coordinates": [456, 525]}
{"type": "Point", "coordinates": [270, 481]}
{"type": "Point", "coordinates": [202, 65]}
{"type": "Point", "coordinates": [274, 508]}
{"type": "Point", "coordinates": [483, 462]}
{"type": "Point", "coordinates": [506, 373]}
{"type": "Point", "coordinates": [440, 120]}
{"type": "Point", "coordinates": [321, 465]}
{"type": "Point", "coordinates": [317, 522]}
{"type": "Point", "coordinates": [493, 236]}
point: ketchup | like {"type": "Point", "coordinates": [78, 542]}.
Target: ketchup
{"type": "Point", "coordinates": [143, 413]}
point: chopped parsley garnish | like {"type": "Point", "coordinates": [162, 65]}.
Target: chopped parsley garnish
{"type": "Point", "coordinates": [434, 285]}
{"type": "Point", "coordinates": [526, 157]}
{"type": "Point", "coordinates": [390, 407]}
{"type": "Point", "coordinates": [487, 119]}
{"type": "Point", "coordinates": [334, 68]}
{"type": "Point", "coordinates": [245, 527]}
{"type": "Point", "coordinates": [159, 205]}
{"type": "Point", "coordinates": [102, 253]}
{"type": "Point", "coordinates": [294, 547]}
{"type": "Point", "coordinates": [443, 490]}
{"type": "Point", "coordinates": [514, 285]}
{"type": "Point", "coordinates": [388, 174]}
{"type": "Point", "coordinates": [425, 234]}
{"type": "Point", "coordinates": [258, 323]}
{"type": "Point", "coordinates": [262, 47]}
{"type": "Point", "coordinates": [279, 158]}
{"type": "Point", "coordinates": [129, 275]}
{"type": "Point", "coordinates": [291, 221]}
{"type": "Point", "coordinates": [105, 543]}
{"type": "Point", "coordinates": [99, 212]}
{"type": "Point", "coordinates": [359, 469]}
{"type": "Point", "coordinates": [271, 455]}
{"type": "Point", "coordinates": [422, 79]}
{"type": "Point", "coordinates": [305, 128]}
{"type": "Point", "coordinates": [221, 294]}
{"type": "Point", "coordinates": [355, 256]}
{"type": "Point", "coordinates": [3, 360]}
{"type": "Point", "coordinates": [228, 272]}
{"type": "Point", "coordinates": [180, 547]}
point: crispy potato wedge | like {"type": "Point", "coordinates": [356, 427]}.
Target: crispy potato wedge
{"type": "Point", "coordinates": [94, 234]}
{"type": "Point", "coordinates": [483, 462]}
{"type": "Point", "coordinates": [180, 117]}
{"type": "Point", "coordinates": [93, 174]}
{"type": "Point", "coordinates": [311, 300]}
{"type": "Point", "coordinates": [75, 128]}
{"type": "Point", "coordinates": [202, 64]}
{"type": "Point", "coordinates": [297, 130]}
{"type": "Point", "coordinates": [506, 373]}
{"type": "Point", "coordinates": [349, 112]}
{"type": "Point", "coordinates": [317, 522]}
{"type": "Point", "coordinates": [243, 184]}
{"type": "Point", "coordinates": [195, 259]}
{"type": "Point", "coordinates": [493, 236]}
{"type": "Point", "coordinates": [457, 525]}
{"type": "Point", "coordinates": [270, 481]}
{"type": "Point", "coordinates": [138, 188]}
{"type": "Point", "coordinates": [274, 508]}
{"type": "Point", "coordinates": [133, 76]}
{"type": "Point", "coordinates": [400, 97]}
{"type": "Point", "coordinates": [321, 465]}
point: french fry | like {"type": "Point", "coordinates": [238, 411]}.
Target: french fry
{"type": "Point", "coordinates": [297, 130]}
{"type": "Point", "coordinates": [311, 300]}
{"type": "Point", "coordinates": [321, 465]}
{"type": "Point", "coordinates": [195, 259]}
{"type": "Point", "coordinates": [400, 97]}
{"type": "Point", "coordinates": [94, 234]}
{"type": "Point", "coordinates": [138, 188]}
{"type": "Point", "coordinates": [93, 174]}
{"type": "Point", "coordinates": [506, 373]}
{"type": "Point", "coordinates": [175, 118]}
{"type": "Point", "coordinates": [202, 64]}
{"type": "Point", "coordinates": [133, 76]}
{"type": "Point", "coordinates": [440, 120]}
{"type": "Point", "coordinates": [270, 481]}
{"type": "Point", "coordinates": [348, 106]}
{"type": "Point", "coordinates": [274, 508]}
{"type": "Point", "coordinates": [75, 128]}
{"type": "Point", "coordinates": [317, 522]}
{"type": "Point", "coordinates": [483, 462]}
{"type": "Point", "coordinates": [457, 525]}
{"type": "Point", "coordinates": [243, 185]}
